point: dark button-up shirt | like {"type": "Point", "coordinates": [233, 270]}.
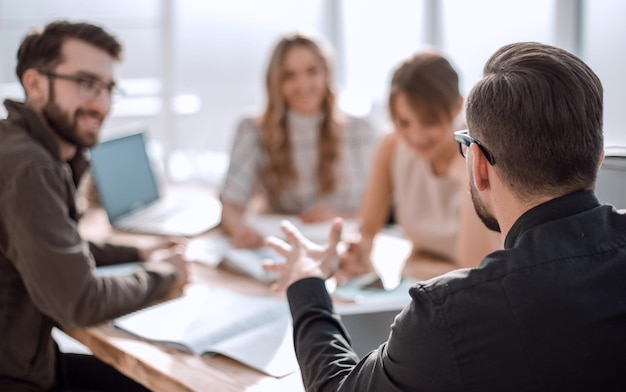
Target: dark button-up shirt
{"type": "Point", "coordinates": [547, 313]}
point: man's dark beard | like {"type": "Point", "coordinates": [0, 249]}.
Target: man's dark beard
{"type": "Point", "coordinates": [61, 124]}
{"type": "Point", "coordinates": [488, 220]}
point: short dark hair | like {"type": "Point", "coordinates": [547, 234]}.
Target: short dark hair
{"type": "Point", "coordinates": [41, 49]}
{"type": "Point", "coordinates": [538, 109]}
{"type": "Point", "coordinates": [431, 86]}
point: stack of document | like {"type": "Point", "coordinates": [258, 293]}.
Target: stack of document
{"type": "Point", "coordinates": [255, 331]}
{"type": "Point", "coordinates": [216, 250]}
{"type": "Point", "coordinates": [388, 254]}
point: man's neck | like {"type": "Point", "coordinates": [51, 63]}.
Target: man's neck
{"type": "Point", "coordinates": [66, 150]}
{"type": "Point", "coordinates": [508, 208]}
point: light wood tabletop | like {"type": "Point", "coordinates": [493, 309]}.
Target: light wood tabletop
{"type": "Point", "coordinates": [163, 368]}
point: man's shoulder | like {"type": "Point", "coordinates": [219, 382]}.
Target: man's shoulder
{"type": "Point", "coordinates": [491, 270]}
{"type": "Point", "coordinates": [599, 233]}
{"type": "Point", "coordinates": [18, 148]}
{"type": "Point", "coordinates": [595, 231]}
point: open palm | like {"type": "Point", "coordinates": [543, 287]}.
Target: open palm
{"type": "Point", "coordinates": [303, 258]}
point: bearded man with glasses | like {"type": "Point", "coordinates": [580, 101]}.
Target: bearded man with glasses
{"type": "Point", "coordinates": [46, 269]}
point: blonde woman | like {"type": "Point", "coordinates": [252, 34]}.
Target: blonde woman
{"type": "Point", "coordinates": [300, 156]}
{"type": "Point", "coordinates": [419, 174]}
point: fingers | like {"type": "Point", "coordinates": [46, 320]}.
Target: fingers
{"type": "Point", "coordinates": [176, 253]}
{"type": "Point", "coordinates": [170, 242]}
{"type": "Point", "coordinates": [335, 233]}
{"type": "Point", "coordinates": [292, 234]}
{"type": "Point", "coordinates": [273, 266]}
{"type": "Point", "coordinates": [282, 270]}
{"type": "Point", "coordinates": [278, 245]}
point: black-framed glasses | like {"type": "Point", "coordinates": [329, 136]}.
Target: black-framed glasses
{"type": "Point", "coordinates": [465, 140]}
{"type": "Point", "coordinates": [88, 88]}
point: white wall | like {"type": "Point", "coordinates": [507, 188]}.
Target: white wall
{"type": "Point", "coordinates": [213, 54]}
{"type": "Point", "coordinates": [604, 49]}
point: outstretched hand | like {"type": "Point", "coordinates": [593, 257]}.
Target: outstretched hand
{"type": "Point", "coordinates": [303, 258]}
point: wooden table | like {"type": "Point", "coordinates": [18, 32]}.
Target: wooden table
{"type": "Point", "coordinates": [163, 368]}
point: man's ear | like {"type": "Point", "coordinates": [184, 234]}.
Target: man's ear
{"type": "Point", "coordinates": [601, 159]}
{"type": "Point", "coordinates": [35, 85]}
{"type": "Point", "coordinates": [480, 168]}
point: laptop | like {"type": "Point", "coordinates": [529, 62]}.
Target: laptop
{"type": "Point", "coordinates": [130, 193]}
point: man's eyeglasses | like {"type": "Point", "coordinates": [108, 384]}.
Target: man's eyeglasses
{"type": "Point", "coordinates": [88, 88]}
{"type": "Point", "coordinates": [465, 140]}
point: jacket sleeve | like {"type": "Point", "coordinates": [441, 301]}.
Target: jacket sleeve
{"type": "Point", "coordinates": [108, 254]}
{"type": "Point", "coordinates": [55, 264]}
{"type": "Point", "coordinates": [417, 355]}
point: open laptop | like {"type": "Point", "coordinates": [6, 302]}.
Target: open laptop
{"type": "Point", "coordinates": [130, 193]}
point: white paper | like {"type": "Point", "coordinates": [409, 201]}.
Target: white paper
{"type": "Point", "coordinates": [217, 250]}
{"type": "Point", "coordinates": [207, 250]}
{"type": "Point", "coordinates": [389, 253]}
{"type": "Point", "coordinates": [269, 225]}
{"type": "Point", "coordinates": [253, 330]}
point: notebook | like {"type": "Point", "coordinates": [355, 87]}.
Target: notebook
{"type": "Point", "coordinates": [129, 192]}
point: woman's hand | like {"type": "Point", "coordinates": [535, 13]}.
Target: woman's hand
{"type": "Point", "coordinates": [353, 260]}
{"type": "Point", "coordinates": [246, 237]}
{"type": "Point", "coordinates": [318, 213]}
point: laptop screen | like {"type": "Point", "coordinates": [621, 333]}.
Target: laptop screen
{"type": "Point", "coordinates": [123, 175]}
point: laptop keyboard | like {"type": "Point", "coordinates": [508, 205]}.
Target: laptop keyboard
{"type": "Point", "coordinates": [161, 212]}
{"type": "Point", "coordinates": [173, 219]}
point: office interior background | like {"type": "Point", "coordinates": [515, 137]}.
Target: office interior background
{"type": "Point", "coordinates": [193, 68]}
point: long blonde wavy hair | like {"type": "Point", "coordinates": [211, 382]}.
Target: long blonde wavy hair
{"type": "Point", "coordinates": [279, 170]}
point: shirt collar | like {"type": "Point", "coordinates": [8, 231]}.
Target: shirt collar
{"type": "Point", "coordinates": [30, 122]}
{"type": "Point", "coordinates": [551, 210]}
